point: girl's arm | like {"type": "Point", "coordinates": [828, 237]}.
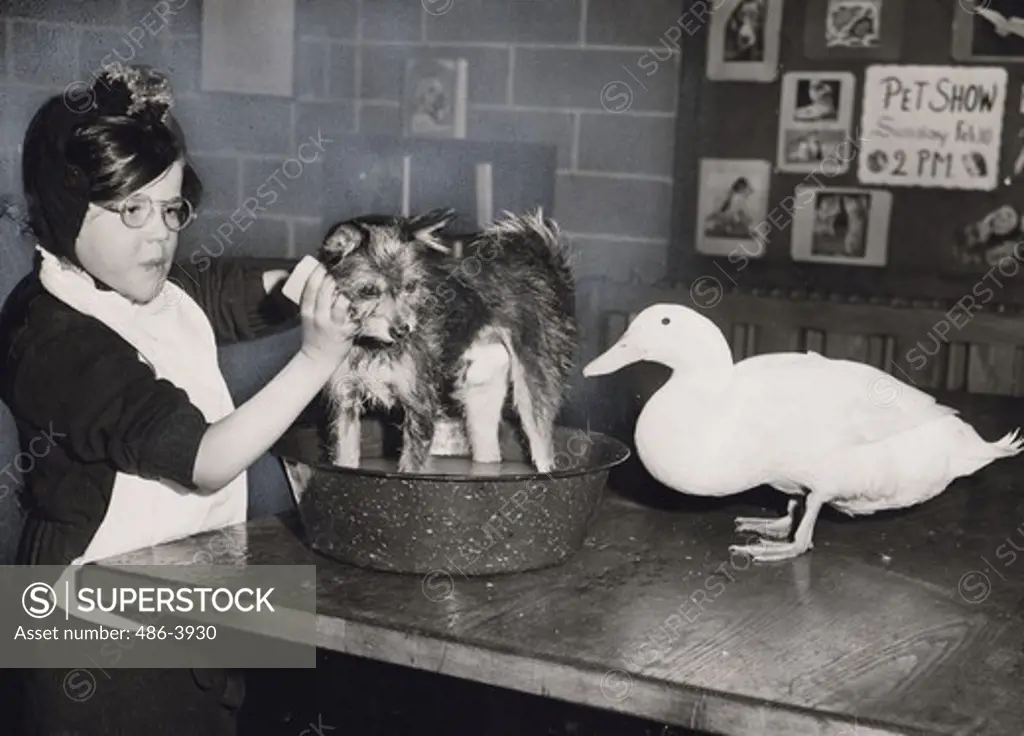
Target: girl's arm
{"type": "Point", "coordinates": [76, 383]}
{"type": "Point", "coordinates": [235, 442]}
{"type": "Point", "coordinates": [231, 445]}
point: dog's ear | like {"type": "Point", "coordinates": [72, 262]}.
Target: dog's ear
{"type": "Point", "coordinates": [341, 240]}
{"type": "Point", "coordinates": [423, 229]}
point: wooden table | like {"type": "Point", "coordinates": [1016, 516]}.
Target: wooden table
{"type": "Point", "coordinates": [903, 623]}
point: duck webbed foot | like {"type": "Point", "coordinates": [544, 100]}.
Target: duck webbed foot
{"type": "Point", "coordinates": [779, 528]}
{"type": "Point", "coordinates": [769, 550]}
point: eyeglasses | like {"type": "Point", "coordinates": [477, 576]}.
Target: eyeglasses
{"type": "Point", "coordinates": [137, 210]}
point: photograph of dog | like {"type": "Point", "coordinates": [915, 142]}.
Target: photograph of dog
{"type": "Point", "coordinates": [744, 40]}
{"type": "Point", "coordinates": [841, 225]}
{"type": "Point", "coordinates": [441, 336]}
{"type": "Point", "coordinates": [744, 35]}
{"type": "Point", "coordinates": [815, 116]}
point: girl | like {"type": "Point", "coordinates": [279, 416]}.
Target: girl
{"type": "Point", "coordinates": [117, 365]}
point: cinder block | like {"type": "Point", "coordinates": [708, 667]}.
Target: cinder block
{"type": "Point", "coordinates": [230, 122]}
{"type": "Point", "coordinates": [285, 186]}
{"type": "Point", "coordinates": [510, 21]}
{"type": "Point", "coordinates": [528, 126]}
{"type": "Point", "coordinates": [392, 20]}
{"type": "Point", "coordinates": [609, 258]}
{"type": "Point", "coordinates": [321, 124]}
{"type": "Point", "coordinates": [104, 49]}
{"type": "Point", "coordinates": [94, 12]}
{"type": "Point", "coordinates": [337, 19]}
{"type": "Point", "coordinates": [342, 72]}
{"type": "Point", "coordinates": [600, 80]}
{"type": "Point", "coordinates": [182, 61]}
{"type": "Point", "coordinates": [627, 23]}
{"type": "Point", "coordinates": [613, 206]}
{"type": "Point", "coordinates": [220, 175]}
{"type": "Point", "coordinates": [181, 17]}
{"type": "Point", "coordinates": [380, 118]}
{"type": "Point", "coordinates": [17, 107]}
{"type": "Point", "coordinates": [10, 172]}
{"type": "Point", "coordinates": [311, 68]}
{"type": "Point", "coordinates": [232, 235]}
{"type": "Point", "coordinates": [44, 54]}
{"type": "Point", "coordinates": [627, 143]}
{"type": "Point", "coordinates": [306, 236]}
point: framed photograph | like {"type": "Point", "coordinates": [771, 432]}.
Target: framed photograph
{"type": "Point", "coordinates": [434, 98]}
{"type": "Point", "coordinates": [743, 41]}
{"type": "Point", "coordinates": [988, 30]}
{"type": "Point", "coordinates": [845, 226]}
{"type": "Point", "coordinates": [733, 200]}
{"type": "Point", "coordinates": [815, 115]}
{"type": "Point", "coordinates": [854, 29]}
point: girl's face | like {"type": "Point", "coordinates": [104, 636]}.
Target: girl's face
{"type": "Point", "coordinates": [133, 261]}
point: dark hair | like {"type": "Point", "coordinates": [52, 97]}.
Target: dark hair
{"type": "Point", "coordinates": [119, 155]}
{"type": "Point", "coordinates": [118, 142]}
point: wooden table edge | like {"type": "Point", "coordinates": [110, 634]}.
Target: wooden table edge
{"type": "Point", "coordinates": [678, 705]}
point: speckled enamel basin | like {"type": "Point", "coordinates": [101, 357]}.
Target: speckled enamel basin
{"type": "Point", "coordinates": [456, 517]}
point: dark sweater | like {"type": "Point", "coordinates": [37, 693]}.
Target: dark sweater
{"type": "Point", "coordinates": [86, 407]}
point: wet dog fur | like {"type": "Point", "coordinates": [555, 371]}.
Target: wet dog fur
{"type": "Point", "coordinates": [440, 335]}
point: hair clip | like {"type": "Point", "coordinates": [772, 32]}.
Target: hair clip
{"type": "Point", "coordinates": [146, 87]}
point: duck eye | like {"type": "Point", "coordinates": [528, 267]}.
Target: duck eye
{"type": "Point", "coordinates": [664, 320]}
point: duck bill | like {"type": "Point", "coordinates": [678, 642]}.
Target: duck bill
{"type": "Point", "coordinates": [618, 356]}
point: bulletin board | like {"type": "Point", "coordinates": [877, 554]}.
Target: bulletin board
{"type": "Point", "coordinates": [867, 148]}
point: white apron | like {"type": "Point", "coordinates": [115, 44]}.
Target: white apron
{"type": "Point", "coordinates": [173, 335]}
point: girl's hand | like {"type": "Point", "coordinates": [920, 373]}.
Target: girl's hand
{"type": "Point", "coordinates": [327, 330]}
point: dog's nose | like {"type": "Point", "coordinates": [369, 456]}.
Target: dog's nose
{"type": "Point", "coordinates": [398, 331]}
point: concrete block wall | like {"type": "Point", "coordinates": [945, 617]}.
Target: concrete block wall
{"type": "Point", "coordinates": [540, 70]}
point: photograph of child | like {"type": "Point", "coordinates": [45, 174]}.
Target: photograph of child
{"type": "Point", "coordinates": [732, 217]}
{"type": "Point", "coordinates": [816, 112]}
{"type": "Point", "coordinates": [432, 102]}
{"type": "Point", "coordinates": [434, 98]}
{"type": "Point", "coordinates": [844, 226]}
{"type": "Point", "coordinates": [733, 200]}
{"type": "Point", "coordinates": [853, 23]}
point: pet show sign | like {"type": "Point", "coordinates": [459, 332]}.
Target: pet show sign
{"type": "Point", "coordinates": [932, 126]}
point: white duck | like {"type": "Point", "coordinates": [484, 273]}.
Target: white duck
{"type": "Point", "coordinates": [843, 432]}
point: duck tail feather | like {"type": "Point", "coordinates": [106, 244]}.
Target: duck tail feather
{"type": "Point", "coordinates": [1010, 444]}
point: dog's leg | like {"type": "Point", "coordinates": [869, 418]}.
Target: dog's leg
{"type": "Point", "coordinates": [346, 438]}
{"type": "Point", "coordinates": [417, 437]}
{"type": "Point", "coordinates": [482, 395]}
{"type": "Point", "coordinates": [346, 400]}
{"type": "Point", "coordinates": [537, 414]}
{"type": "Point", "coordinates": [415, 389]}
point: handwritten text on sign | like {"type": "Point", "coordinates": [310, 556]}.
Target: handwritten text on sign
{"type": "Point", "coordinates": [932, 126]}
